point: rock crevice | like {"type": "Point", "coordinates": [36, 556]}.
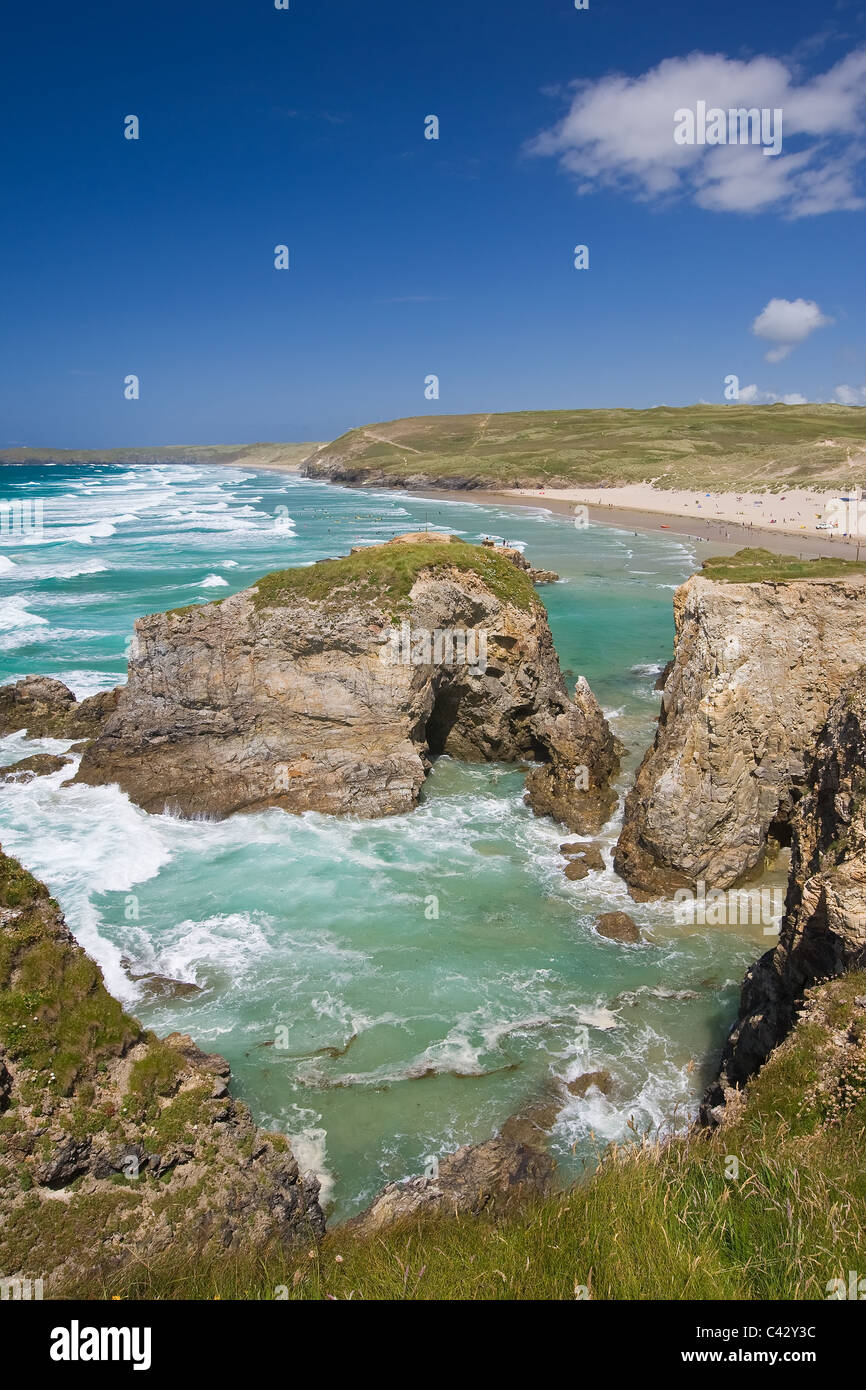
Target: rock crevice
{"type": "Point", "coordinates": [823, 933]}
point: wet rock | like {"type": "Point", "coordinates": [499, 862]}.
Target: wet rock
{"type": "Point", "coordinates": [661, 680]}
{"type": "Point", "coordinates": [582, 858]}
{"type": "Point", "coordinates": [47, 708]}
{"type": "Point", "coordinates": [38, 765]}
{"type": "Point", "coordinates": [155, 986]}
{"type": "Point", "coordinates": [602, 1080]}
{"type": "Point", "coordinates": [580, 849]}
{"type": "Point", "coordinates": [617, 926]}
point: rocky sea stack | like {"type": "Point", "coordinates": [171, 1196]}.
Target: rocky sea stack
{"type": "Point", "coordinates": [330, 688]}
{"type": "Point", "coordinates": [763, 647]}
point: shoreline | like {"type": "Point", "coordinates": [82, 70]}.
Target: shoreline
{"type": "Point", "coordinates": [717, 532]}
{"type": "Point", "coordinates": [732, 535]}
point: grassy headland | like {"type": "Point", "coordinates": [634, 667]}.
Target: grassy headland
{"type": "Point", "coordinates": [287, 456]}
{"type": "Point", "coordinates": [722, 447]}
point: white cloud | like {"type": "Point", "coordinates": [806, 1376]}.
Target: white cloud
{"type": "Point", "coordinates": [753, 395]}
{"type": "Point", "coordinates": [850, 395]}
{"type": "Point", "coordinates": [787, 322]}
{"type": "Point", "coordinates": [618, 133]}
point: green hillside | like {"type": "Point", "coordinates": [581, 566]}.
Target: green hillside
{"type": "Point", "coordinates": [718, 447]}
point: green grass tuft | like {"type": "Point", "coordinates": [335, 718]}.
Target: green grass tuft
{"type": "Point", "coordinates": [384, 574]}
{"type": "Point", "coordinates": [756, 566]}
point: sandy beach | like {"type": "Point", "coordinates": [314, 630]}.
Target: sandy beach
{"type": "Point", "coordinates": [794, 511]}
{"type": "Point", "coordinates": [785, 522]}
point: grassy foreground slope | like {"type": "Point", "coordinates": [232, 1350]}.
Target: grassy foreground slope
{"type": "Point", "coordinates": [656, 1221]}
{"type": "Point", "coordinates": [722, 447]}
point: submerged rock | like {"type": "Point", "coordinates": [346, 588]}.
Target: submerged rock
{"type": "Point", "coordinates": [330, 688]}
{"type": "Point", "coordinates": [601, 1080]}
{"type": "Point", "coordinates": [37, 765]}
{"type": "Point", "coordinates": [155, 986]}
{"type": "Point", "coordinates": [756, 669]}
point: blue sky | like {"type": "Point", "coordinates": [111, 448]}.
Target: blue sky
{"type": "Point", "coordinates": [410, 256]}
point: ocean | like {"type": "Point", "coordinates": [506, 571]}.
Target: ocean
{"type": "Point", "coordinates": [376, 1036]}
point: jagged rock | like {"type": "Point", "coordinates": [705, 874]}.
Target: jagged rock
{"type": "Point", "coordinates": [5, 1086]}
{"type": "Point", "coordinates": [136, 1142]}
{"type": "Point", "coordinates": [531, 1125]}
{"type": "Point", "coordinates": [297, 692]}
{"type": "Point", "coordinates": [662, 677]}
{"type": "Point", "coordinates": [517, 558]}
{"type": "Point", "coordinates": [38, 765]}
{"type": "Point", "coordinates": [823, 933]}
{"type": "Point", "coordinates": [580, 849]}
{"type": "Point", "coordinates": [47, 708]}
{"type": "Point", "coordinates": [582, 858]}
{"type": "Point", "coordinates": [69, 1158]}
{"type": "Point", "coordinates": [617, 926]}
{"type": "Point", "coordinates": [467, 1181]}
{"type": "Point", "coordinates": [756, 669]}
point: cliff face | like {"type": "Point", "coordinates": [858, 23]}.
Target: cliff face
{"type": "Point", "coordinates": [115, 1144]}
{"type": "Point", "coordinates": [823, 933]}
{"type": "Point", "coordinates": [329, 689]}
{"type": "Point", "coordinates": [756, 669]}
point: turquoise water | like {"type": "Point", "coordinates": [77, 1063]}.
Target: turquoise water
{"type": "Point", "coordinates": [372, 1033]}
